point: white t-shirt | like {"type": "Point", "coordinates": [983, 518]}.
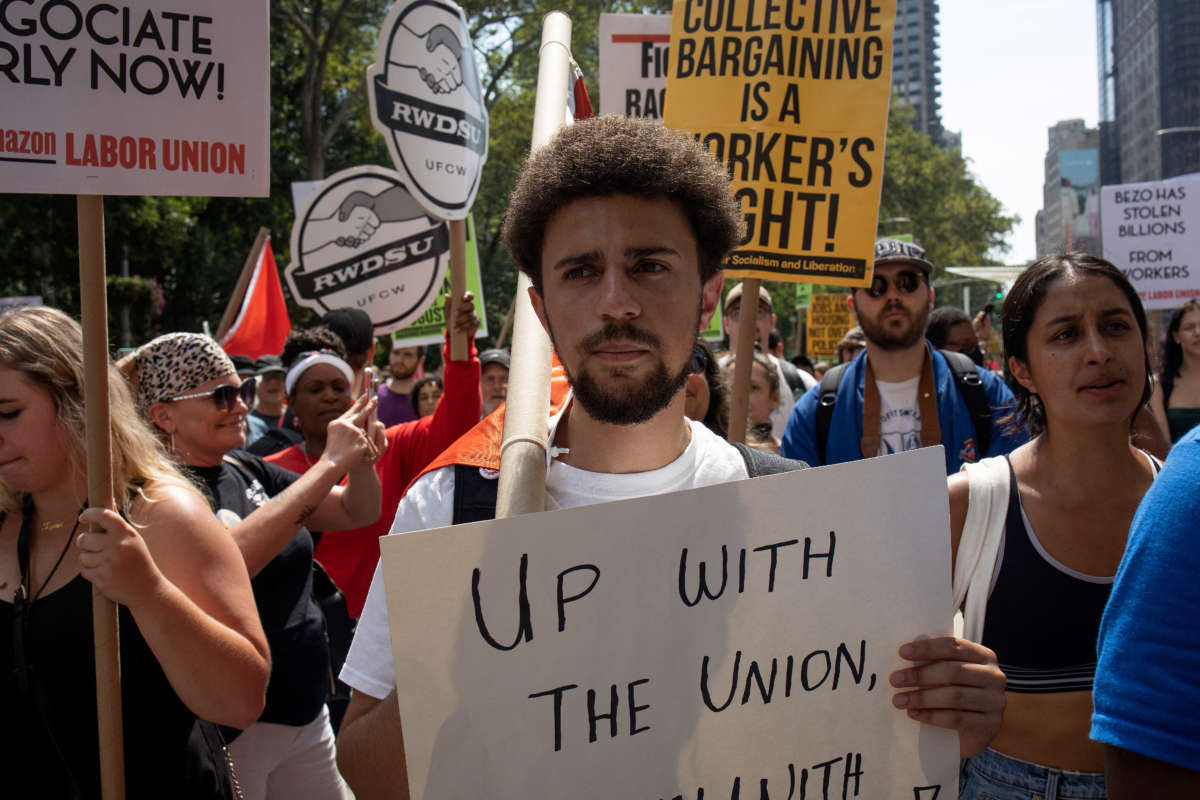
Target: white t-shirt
{"type": "Point", "coordinates": [899, 416]}
{"type": "Point", "coordinates": [429, 503]}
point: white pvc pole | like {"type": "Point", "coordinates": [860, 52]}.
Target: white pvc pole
{"type": "Point", "coordinates": [522, 487]}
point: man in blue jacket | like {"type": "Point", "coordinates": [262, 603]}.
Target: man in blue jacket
{"type": "Point", "coordinates": [900, 393]}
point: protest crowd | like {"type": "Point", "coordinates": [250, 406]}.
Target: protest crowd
{"type": "Point", "coordinates": [252, 494]}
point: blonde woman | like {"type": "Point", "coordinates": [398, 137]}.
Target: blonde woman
{"type": "Point", "coordinates": [191, 643]}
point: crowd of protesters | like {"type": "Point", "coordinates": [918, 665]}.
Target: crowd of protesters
{"type": "Point", "coordinates": [251, 495]}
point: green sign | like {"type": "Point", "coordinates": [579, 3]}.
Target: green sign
{"type": "Point", "coordinates": [430, 327]}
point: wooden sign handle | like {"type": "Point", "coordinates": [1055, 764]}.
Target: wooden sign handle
{"type": "Point", "coordinates": [94, 304]}
{"type": "Point", "coordinates": [458, 285]}
{"type": "Point", "coordinates": [739, 402]}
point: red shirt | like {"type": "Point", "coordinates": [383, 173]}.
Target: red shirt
{"type": "Point", "coordinates": [350, 556]}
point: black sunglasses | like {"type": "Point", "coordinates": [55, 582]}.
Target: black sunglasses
{"type": "Point", "coordinates": [905, 282]}
{"type": "Point", "coordinates": [698, 362]}
{"type": "Point", "coordinates": [226, 397]}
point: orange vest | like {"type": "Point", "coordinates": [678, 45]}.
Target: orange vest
{"type": "Point", "coordinates": [480, 446]}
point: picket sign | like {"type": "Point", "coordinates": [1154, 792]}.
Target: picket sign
{"type": "Point", "coordinates": [427, 102]}
{"type": "Point", "coordinates": [179, 105]}
{"type": "Point", "coordinates": [796, 109]}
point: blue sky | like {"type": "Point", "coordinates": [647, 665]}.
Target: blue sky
{"type": "Point", "coordinates": [1010, 71]}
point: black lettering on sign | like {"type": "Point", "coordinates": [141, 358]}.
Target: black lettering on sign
{"type": "Point", "coordinates": [815, 669]}
{"type": "Point", "coordinates": [594, 715]}
{"type": "Point", "coordinates": [524, 627]}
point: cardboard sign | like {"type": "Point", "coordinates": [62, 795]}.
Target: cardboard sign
{"type": "Point", "coordinates": [430, 327]}
{"type": "Point", "coordinates": [363, 241]}
{"type": "Point", "coordinates": [793, 98]}
{"type": "Point", "coordinates": [427, 102]}
{"type": "Point", "coordinates": [1152, 233]}
{"type": "Point", "coordinates": [695, 644]}
{"type": "Point", "coordinates": [147, 98]}
{"type": "Point", "coordinates": [633, 64]}
{"type": "Point", "coordinates": [828, 320]}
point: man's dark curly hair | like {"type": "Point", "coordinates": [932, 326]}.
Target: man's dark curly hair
{"type": "Point", "coordinates": [303, 340]}
{"type": "Point", "coordinates": [614, 155]}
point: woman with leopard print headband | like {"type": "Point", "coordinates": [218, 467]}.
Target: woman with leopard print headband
{"type": "Point", "coordinates": [189, 389]}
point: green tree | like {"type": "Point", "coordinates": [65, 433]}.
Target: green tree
{"type": "Point", "coordinates": [950, 214]}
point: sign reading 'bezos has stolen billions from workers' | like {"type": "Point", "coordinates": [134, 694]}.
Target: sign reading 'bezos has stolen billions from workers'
{"type": "Point", "coordinates": [147, 97]}
{"type": "Point", "coordinates": [698, 644]}
{"type": "Point", "coordinates": [793, 98]}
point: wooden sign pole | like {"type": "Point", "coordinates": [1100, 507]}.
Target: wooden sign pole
{"type": "Point", "coordinates": [458, 285]}
{"type": "Point", "coordinates": [739, 402]}
{"type": "Point", "coordinates": [94, 304]}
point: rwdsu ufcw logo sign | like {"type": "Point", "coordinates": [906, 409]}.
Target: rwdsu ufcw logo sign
{"type": "Point", "coordinates": [363, 241]}
{"type": "Point", "coordinates": [427, 103]}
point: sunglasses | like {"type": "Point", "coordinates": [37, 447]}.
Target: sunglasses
{"type": "Point", "coordinates": [698, 362]}
{"type": "Point", "coordinates": [226, 397]}
{"type": "Point", "coordinates": [905, 282]}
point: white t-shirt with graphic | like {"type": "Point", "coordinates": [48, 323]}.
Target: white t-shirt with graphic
{"type": "Point", "coordinates": [899, 416]}
{"type": "Point", "coordinates": [429, 503]}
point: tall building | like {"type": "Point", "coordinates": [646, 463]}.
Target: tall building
{"type": "Point", "coordinates": [1070, 215]}
{"type": "Point", "coordinates": [916, 74]}
{"type": "Point", "coordinates": [1149, 82]}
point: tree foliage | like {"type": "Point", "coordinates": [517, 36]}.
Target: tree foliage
{"type": "Point", "coordinates": [320, 124]}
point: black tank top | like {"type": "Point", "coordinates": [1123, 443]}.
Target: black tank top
{"type": "Point", "coordinates": [163, 757]}
{"type": "Point", "coordinates": [1042, 616]}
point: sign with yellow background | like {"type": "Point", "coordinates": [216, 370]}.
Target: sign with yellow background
{"type": "Point", "coordinates": [829, 317]}
{"type": "Point", "coordinates": [792, 96]}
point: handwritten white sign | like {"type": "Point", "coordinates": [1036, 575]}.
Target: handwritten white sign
{"type": "Point", "coordinates": [731, 641]}
{"type": "Point", "coordinates": [152, 97]}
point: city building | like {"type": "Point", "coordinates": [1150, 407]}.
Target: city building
{"type": "Point", "coordinates": [1070, 215]}
{"type": "Point", "coordinates": [916, 73]}
{"type": "Point", "coordinates": [1149, 69]}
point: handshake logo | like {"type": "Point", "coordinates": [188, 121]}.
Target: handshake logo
{"type": "Point", "coordinates": [427, 103]}
{"type": "Point", "coordinates": [363, 241]}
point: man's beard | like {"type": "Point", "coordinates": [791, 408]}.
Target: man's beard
{"type": "Point", "coordinates": [627, 405]}
{"type": "Point", "coordinates": [878, 333]}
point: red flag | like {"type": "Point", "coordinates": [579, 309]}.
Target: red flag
{"type": "Point", "coordinates": [262, 322]}
{"type": "Point", "coordinates": [579, 105]}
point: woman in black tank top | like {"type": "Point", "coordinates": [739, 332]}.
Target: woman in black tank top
{"type": "Point", "coordinates": [190, 641]}
{"type": "Point", "coordinates": [1074, 339]}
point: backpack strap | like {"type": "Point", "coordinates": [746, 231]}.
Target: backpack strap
{"type": "Point", "coordinates": [474, 495]}
{"type": "Point", "coordinates": [763, 462]}
{"type": "Point", "coordinates": [970, 386]}
{"type": "Point", "coordinates": [825, 403]}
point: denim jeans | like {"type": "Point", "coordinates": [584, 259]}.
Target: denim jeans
{"type": "Point", "coordinates": [994, 776]}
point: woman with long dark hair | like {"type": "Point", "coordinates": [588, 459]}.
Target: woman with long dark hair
{"type": "Point", "coordinates": [1038, 535]}
{"type": "Point", "coordinates": [1176, 402]}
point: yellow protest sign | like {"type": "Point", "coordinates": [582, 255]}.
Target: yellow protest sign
{"type": "Point", "coordinates": [829, 317]}
{"type": "Point", "coordinates": [792, 96]}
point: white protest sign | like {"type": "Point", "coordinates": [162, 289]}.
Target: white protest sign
{"type": "Point", "coordinates": [427, 102]}
{"type": "Point", "coordinates": [1152, 233]}
{"type": "Point", "coordinates": [633, 64]}
{"type": "Point", "coordinates": [361, 240]}
{"type": "Point", "coordinates": [150, 97]}
{"type": "Point", "coordinates": [733, 638]}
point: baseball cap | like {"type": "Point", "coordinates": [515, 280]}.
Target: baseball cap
{"type": "Point", "coordinates": [267, 364]}
{"type": "Point", "coordinates": [891, 251]}
{"type": "Point", "coordinates": [494, 356]}
{"type": "Point", "coordinates": [244, 365]}
{"type": "Point", "coordinates": [735, 296]}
